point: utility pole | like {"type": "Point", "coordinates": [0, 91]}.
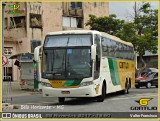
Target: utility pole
{"type": "Point", "coordinates": [3, 11]}
{"type": "Point", "coordinates": [135, 11]}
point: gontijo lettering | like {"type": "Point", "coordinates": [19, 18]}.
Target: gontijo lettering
{"type": "Point", "coordinates": [123, 65]}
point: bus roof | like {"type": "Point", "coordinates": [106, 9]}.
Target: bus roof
{"type": "Point", "coordinates": [74, 32]}
{"type": "Point", "coordinates": [115, 38]}
{"type": "Point", "coordinates": [90, 32]}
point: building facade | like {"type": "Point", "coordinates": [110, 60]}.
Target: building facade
{"type": "Point", "coordinates": [26, 24]}
{"type": "Point", "coordinates": [150, 59]}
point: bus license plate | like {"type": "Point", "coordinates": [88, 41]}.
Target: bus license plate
{"type": "Point", "coordinates": [65, 92]}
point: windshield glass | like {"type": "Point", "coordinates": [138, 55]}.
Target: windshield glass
{"type": "Point", "coordinates": [78, 63]}
{"type": "Point", "coordinates": [67, 40]}
{"type": "Point", "coordinates": [66, 63]}
{"type": "Point", "coordinates": [54, 62]}
{"type": "Point", "coordinates": [147, 74]}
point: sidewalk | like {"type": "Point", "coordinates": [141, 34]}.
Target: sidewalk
{"type": "Point", "coordinates": [14, 89]}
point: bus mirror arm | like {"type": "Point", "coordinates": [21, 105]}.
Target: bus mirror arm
{"type": "Point", "coordinates": [93, 52]}
{"type": "Point", "coordinates": [36, 53]}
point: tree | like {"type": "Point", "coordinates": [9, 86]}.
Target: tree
{"type": "Point", "coordinates": [142, 32]}
{"type": "Point", "coordinates": [110, 25]}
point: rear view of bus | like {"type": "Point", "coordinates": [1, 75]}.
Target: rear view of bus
{"type": "Point", "coordinates": [72, 65]}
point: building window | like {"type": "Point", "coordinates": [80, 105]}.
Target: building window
{"type": "Point", "coordinates": [8, 50]}
{"type": "Point", "coordinates": [72, 22]}
{"type": "Point", "coordinates": [17, 22]}
{"type": "Point", "coordinates": [35, 20]}
{"type": "Point", "coordinates": [79, 22]}
{"type": "Point", "coordinates": [34, 44]}
{"type": "Point", "coordinates": [75, 5]}
{"type": "Point", "coordinates": [6, 23]}
{"type": "Point", "coordinates": [95, 4]}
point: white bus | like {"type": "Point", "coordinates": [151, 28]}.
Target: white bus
{"type": "Point", "coordinates": [86, 63]}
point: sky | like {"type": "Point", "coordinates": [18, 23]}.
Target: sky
{"type": "Point", "coordinates": [124, 10]}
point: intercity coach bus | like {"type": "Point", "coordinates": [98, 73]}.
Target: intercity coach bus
{"type": "Point", "coordinates": [86, 63]}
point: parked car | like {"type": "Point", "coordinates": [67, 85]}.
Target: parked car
{"type": "Point", "coordinates": [146, 70]}
{"type": "Point", "coordinates": [148, 79]}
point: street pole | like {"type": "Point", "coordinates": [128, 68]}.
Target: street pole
{"type": "Point", "coordinates": [3, 6]}
{"type": "Point", "coordinates": [135, 10]}
{"type": "Point", "coordinates": [3, 11]}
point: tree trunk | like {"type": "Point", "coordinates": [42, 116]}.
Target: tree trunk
{"type": "Point", "coordinates": [143, 65]}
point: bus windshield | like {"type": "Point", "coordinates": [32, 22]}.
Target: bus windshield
{"type": "Point", "coordinates": [67, 40]}
{"type": "Point", "coordinates": [78, 63]}
{"type": "Point", "coordinates": [67, 57]}
{"type": "Point", "coordinates": [67, 63]}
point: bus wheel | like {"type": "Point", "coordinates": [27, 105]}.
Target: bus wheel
{"type": "Point", "coordinates": [127, 86]}
{"type": "Point", "coordinates": [61, 99]}
{"type": "Point", "coordinates": [103, 95]}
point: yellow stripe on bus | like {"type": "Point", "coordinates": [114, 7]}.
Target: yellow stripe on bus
{"type": "Point", "coordinates": [57, 83]}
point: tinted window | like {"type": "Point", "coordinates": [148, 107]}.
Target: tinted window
{"type": "Point", "coordinates": [105, 46]}
{"type": "Point", "coordinates": [68, 40]}
{"type": "Point", "coordinates": [115, 49]}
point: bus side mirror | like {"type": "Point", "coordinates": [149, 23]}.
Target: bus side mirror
{"type": "Point", "coordinates": [36, 53]}
{"type": "Point", "coordinates": [93, 52]}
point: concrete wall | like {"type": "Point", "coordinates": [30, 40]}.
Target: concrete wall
{"type": "Point", "coordinates": [15, 70]}
{"type": "Point", "coordinates": [52, 17]}
{"type": "Point", "coordinates": [15, 33]}
{"type": "Point", "coordinates": [51, 20]}
{"type": "Point", "coordinates": [96, 8]}
{"type": "Point", "coordinates": [13, 36]}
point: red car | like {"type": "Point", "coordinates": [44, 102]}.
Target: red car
{"type": "Point", "coordinates": [148, 80]}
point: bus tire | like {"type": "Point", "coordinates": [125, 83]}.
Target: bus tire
{"type": "Point", "coordinates": [127, 86]}
{"type": "Point", "coordinates": [61, 99]}
{"type": "Point", "coordinates": [103, 95]}
{"type": "Point", "coordinates": [137, 86]}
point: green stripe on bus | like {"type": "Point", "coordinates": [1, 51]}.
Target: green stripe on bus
{"type": "Point", "coordinates": [72, 82]}
{"type": "Point", "coordinates": [114, 71]}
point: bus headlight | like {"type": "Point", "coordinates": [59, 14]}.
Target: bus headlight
{"type": "Point", "coordinates": [46, 84]}
{"type": "Point", "coordinates": [86, 83]}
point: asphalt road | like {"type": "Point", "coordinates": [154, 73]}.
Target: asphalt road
{"type": "Point", "coordinates": [114, 102]}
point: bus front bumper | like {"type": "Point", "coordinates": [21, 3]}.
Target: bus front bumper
{"type": "Point", "coordinates": [85, 91]}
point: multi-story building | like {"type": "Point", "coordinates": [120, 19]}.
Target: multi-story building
{"type": "Point", "coordinates": [26, 24]}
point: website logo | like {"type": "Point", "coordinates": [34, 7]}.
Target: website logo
{"type": "Point", "coordinates": [143, 101]}
{"type": "Point", "coordinates": [14, 9]}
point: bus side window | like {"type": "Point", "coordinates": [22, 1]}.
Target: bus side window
{"type": "Point", "coordinates": [113, 50]}
{"type": "Point", "coordinates": [117, 50]}
{"type": "Point", "coordinates": [98, 53]}
{"type": "Point", "coordinates": [130, 53]}
{"type": "Point", "coordinates": [124, 51]}
{"type": "Point", "coordinates": [104, 47]}
{"type": "Point", "coordinates": [97, 42]}
{"type": "Point", "coordinates": [109, 47]}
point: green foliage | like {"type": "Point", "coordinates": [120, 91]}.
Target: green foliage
{"type": "Point", "coordinates": [147, 27]}
{"type": "Point", "coordinates": [143, 32]}
{"type": "Point", "coordinates": [106, 24]}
